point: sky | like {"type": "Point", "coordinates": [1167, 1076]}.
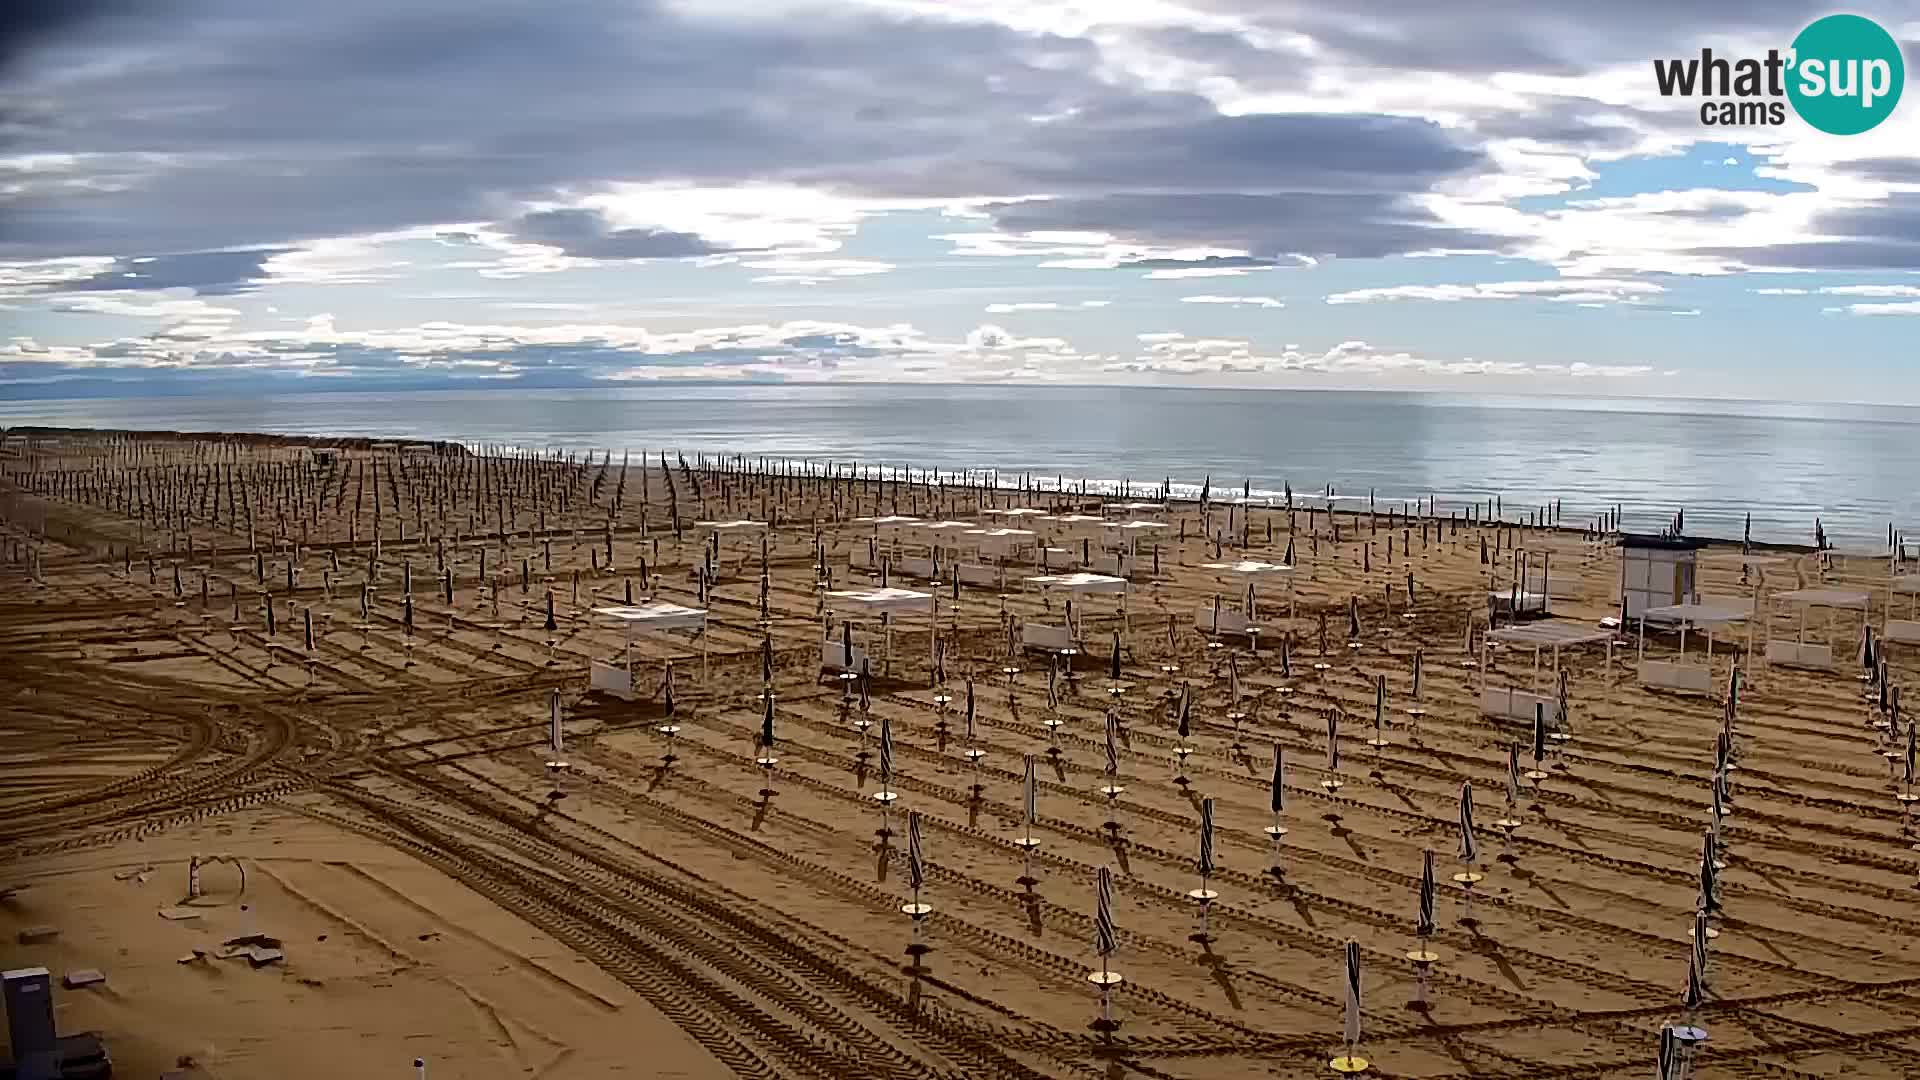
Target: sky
{"type": "Point", "coordinates": [244, 196]}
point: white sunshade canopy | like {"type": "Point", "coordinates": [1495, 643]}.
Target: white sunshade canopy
{"type": "Point", "coordinates": [1017, 512]}
{"type": "Point", "coordinates": [950, 526]}
{"type": "Point", "coordinates": [889, 520]}
{"type": "Point", "coordinates": [1248, 568]}
{"type": "Point", "coordinates": [1833, 598]}
{"type": "Point", "coordinates": [1139, 506]}
{"type": "Point", "coordinates": [882, 601]}
{"type": "Point", "coordinates": [731, 526]}
{"type": "Point", "coordinates": [1549, 635]}
{"type": "Point", "coordinates": [1000, 534]}
{"type": "Point", "coordinates": [1705, 613]}
{"type": "Point", "coordinates": [1083, 583]}
{"type": "Point", "coordinates": [1077, 519]}
{"type": "Point", "coordinates": [1138, 526]}
{"type": "Point", "coordinates": [659, 615]}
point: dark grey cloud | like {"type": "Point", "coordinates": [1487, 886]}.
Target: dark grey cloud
{"type": "Point", "coordinates": [282, 123]}
{"type": "Point", "coordinates": [208, 273]}
{"type": "Point", "coordinates": [1548, 37]}
{"type": "Point", "coordinates": [586, 234]}
{"type": "Point", "coordinates": [1365, 225]}
{"type": "Point", "coordinates": [1885, 236]}
{"type": "Point", "coordinates": [1209, 262]}
{"type": "Point", "coordinates": [1887, 170]}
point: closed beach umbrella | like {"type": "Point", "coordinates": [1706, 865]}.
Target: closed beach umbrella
{"type": "Point", "coordinates": [1205, 862]}
{"type": "Point", "coordinates": [1277, 795]}
{"type": "Point", "coordinates": [1103, 935]}
{"type": "Point", "coordinates": [1513, 773]}
{"type": "Point", "coordinates": [1113, 746]}
{"type": "Point", "coordinates": [1352, 986]}
{"type": "Point", "coordinates": [916, 867]}
{"type": "Point", "coordinates": [1113, 667]}
{"type": "Point", "coordinates": [1469, 850]}
{"type": "Point", "coordinates": [766, 725]}
{"type": "Point", "coordinates": [1333, 741]}
{"type": "Point", "coordinates": [1423, 920]}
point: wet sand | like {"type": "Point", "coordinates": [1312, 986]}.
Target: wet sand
{"type": "Point", "coordinates": [388, 800]}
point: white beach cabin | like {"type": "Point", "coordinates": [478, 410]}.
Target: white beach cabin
{"type": "Point", "coordinates": [1657, 572]}
{"type": "Point", "coordinates": [616, 678]}
{"type": "Point", "coordinates": [1681, 673]}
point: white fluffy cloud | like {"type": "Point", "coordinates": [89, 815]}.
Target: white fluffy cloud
{"type": "Point", "coordinates": [1564, 290]}
{"type": "Point", "coordinates": [1242, 301]}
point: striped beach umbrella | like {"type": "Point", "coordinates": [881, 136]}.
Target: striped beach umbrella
{"type": "Point", "coordinates": [1699, 943]}
{"type": "Point", "coordinates": [1667, 1064]}
{"type": "Point", "coordinates": [1103, 936]}
{"type": "Point", "coordinates": [1205, 863]}
{"type": "Point", "coordinates": [1695, 994]}
{"type": "Point", "coordinates": [1333, 740]}
{"type": "Point", "coordinates": [1513, 773]}
{"type": "Point", "coordinates": [1911, 758]}
{"type": "Point", "coordinates": [1233, 681]}
{"type": "Point", "coordinates": [939, 662]}
{"type": "Point", "coordinates": [916, 867]}
{"type": "Point", "coordinates": [1053, 687]}
{"type": "Point", "coordinates": [766, 659]}
{"type": "Point", "coordinates": [765, 610]}
{"type": "Point", "coordinates": [1029, 797]}
{"type": "Point", "coordinates": [555, 738]}
{"type": "Point", "coordinates": [1113, 745]}
{"type": "Point", "coordinates": [1352, 982]}
{"type": "Point", "coordinates": [1423, 920]}
{"type": "Point", "coordinates": [1469, 850]}
{"type": "Point", "coordinates": [866, 681]}
{"type": "Point", "coordinates": [666, 692]}
{"type": "Point", "coordinates": [886, 752]}
{"type": "Point", "coordinates": [1709, 899]}
{"type": "Point", "coordinates": [1419, 670]}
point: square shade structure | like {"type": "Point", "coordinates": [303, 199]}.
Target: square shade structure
{"type": "Point", "coordinates": [1084, 583]}
{"type": "Point", "coordinates": [890, 521]}
{"type": "Point", "coordinates": [1248, 568]}
{"type": "Point", "coordinates": [741, 525]}
{"type": "Point", "coordinates": [1078, 519]}
{"type": "Point", "coordinates": [999, 534]}
{"type": "Point", "coordinates": [1833, 598]}
{"type": "Point", "coordinates": [1138, 526]}
{"type": "Point", "coordinates": [1550, 635]}
{"type": "Point", "coordinates": [1131, 506]}
{"type": "Point", "coordinates": [658, 615]}
{"type": "Point", "coordinates": [1705, 613]}
{"type": "Point", "coordinates": [882, 601]}
{"type": "Point", "coordinates": [949, 526]}
{"type": "Point", "coordinates": [1016, 512]}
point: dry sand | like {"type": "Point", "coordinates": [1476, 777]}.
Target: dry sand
{"type": "Point", "coordinates": [389, 807]}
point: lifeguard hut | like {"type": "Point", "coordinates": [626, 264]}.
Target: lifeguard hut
{"type": "Point", "coordinates": [1657, 571]}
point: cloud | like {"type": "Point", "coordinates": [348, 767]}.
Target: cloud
{"type": "Point", "coordinates": [1911, 307]}
{"type": "Point", "coordinates": [587, 234]}
{"type": "Point", "coordinates": [209, 273]}
{"type": "Point", "coordinates": [1247, 301]}
{"type": "Point", "coordinates": [1004, 309]}
{"type": "Point", "coordinates": [1565, 290]}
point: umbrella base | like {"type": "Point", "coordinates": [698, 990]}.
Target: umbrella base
{"type": "Point", "coordinates": [1349, 1064]}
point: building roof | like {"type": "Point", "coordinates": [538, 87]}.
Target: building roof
{"type": "Point", "coordinates": [1658, 542]}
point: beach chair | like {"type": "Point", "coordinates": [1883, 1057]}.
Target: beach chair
{"type": "Point", "coordinates": [1053, 640]}
{"type": "Point", "coordinates": [834, 660]}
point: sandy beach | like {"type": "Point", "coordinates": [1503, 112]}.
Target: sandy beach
{"type": "Point", "coordinates": [381, 806]}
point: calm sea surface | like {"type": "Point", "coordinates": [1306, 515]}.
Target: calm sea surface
{"type": "Point", "coordinates": [1853, 466]}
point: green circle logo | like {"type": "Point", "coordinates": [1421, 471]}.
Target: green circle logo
{"type": "Point", "coordinates": [1847, 74]}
